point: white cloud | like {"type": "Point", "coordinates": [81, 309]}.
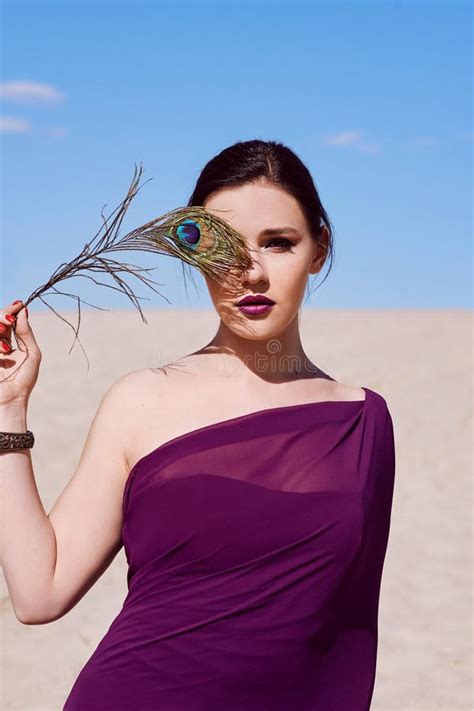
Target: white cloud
{"type": "Point", "coordinates": [57, 131]}
{"type": "Point", "coordinates": [10, 124]}
{"type": "Point", "coordinates": [29, 92]}
{"type": "Point", "coordinates": [465, 135]}
{"type": "Point", "coordinates": [368, 147]}
{"type": "Point", "coordinates": [423, 141]}
{"type": "Point", "coordinates": [347, 138]}
{"type": "Point", "coordinates": [353, 139]}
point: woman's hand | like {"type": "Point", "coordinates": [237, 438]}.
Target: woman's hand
{"type": "Point", "coordinates": [18, 368]}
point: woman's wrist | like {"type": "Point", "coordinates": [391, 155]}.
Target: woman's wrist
{"type": "Point", "coordinates": [13, 417]}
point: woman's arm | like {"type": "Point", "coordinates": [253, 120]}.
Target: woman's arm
{"type": "Point", "coordinates": [51, 561]}
{"type": "Point", "coordinates": [27, 544]}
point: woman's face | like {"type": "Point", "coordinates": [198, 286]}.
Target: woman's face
{"type": "Point", "coordinates": [281, 261]}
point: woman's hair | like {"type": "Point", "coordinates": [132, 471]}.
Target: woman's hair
{"type": "Point", "coordinates": [251, 161]}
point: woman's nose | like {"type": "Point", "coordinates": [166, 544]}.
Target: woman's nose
{"type": "Point", "coordinates": [257, 271]}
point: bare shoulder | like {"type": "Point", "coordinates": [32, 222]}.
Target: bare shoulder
{"type": "Point", "coordinates": [331, 389]}
{"type": "Point", "coordinates": [147, 401]}
{"type": "Point", "coordinates": [148, 385]}
{"type": "Point", "coordinates": [352, 392]}
{"type": "Point", "coordinates": [139, 387]}
{"type": "Point", "coordinates": [164, 402]}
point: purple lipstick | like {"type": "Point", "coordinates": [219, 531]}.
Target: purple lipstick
{"type": "Point", "coordinates": [255, 304]}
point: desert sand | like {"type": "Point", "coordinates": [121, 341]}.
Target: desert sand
{"type": "Point", "coordinates": [420, 361]}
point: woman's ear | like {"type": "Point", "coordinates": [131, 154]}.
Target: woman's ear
{"type": "Point", "coordinates": [321, 248]}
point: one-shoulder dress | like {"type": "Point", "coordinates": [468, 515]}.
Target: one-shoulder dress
{"type": "Point", "coordinates": [255, 549]}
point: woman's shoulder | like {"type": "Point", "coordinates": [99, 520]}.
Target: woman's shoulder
{"type": "Point", "coordinates": [382, 417]}
{"type": "Point", "coordinates": [380, 399]}
{"type": "Point", "coordinates": [145, 385]}
{"type": "Point", "coordinates": [161, 389]}
{"type": "Point", "coordinates": [161, 382]}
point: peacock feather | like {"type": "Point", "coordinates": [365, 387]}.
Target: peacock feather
{"type": "Point", "coordinates": [198, 237]}
{"type": "Point", "coordinates": [192, 234]}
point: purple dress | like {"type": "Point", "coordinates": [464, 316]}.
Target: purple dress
{"type": "Point", "coordinates": [255, 548]}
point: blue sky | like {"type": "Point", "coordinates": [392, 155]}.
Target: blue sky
{"type": "Point", "coordinates": [375, 98]}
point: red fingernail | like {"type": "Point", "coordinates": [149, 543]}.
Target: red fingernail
{"type": "Point", "coordinates": [6, 347]}
{"type": "Point", "coordinates": [26, 311]}
{"type": "Point", "coordinates": [9, 317]}
{"type": "Point", "coordinates": [18, 301]}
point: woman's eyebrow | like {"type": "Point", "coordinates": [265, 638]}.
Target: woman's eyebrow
{"type": "Point", "coordinates": [269, 231]}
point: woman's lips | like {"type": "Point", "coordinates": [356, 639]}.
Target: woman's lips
{"type": "Point", "coordinates": [255, 309]}
{"type": "Point", "coordinates": [254, 299]}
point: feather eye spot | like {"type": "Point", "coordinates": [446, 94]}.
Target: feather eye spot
{"type": "Point", "coordinates": [189, 232]}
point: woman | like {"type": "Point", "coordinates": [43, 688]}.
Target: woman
{"type": "Point", "coordinates": [252, 492]}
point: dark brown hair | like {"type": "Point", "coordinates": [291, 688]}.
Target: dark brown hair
{"type": "Point", "coordinates": [250, 161]}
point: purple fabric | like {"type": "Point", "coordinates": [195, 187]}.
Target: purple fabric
{"type": "Point", "coordinates": [255, 548]}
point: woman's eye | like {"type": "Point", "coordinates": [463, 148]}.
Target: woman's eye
{"type": "Point", "coordinates": [282, 244]}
